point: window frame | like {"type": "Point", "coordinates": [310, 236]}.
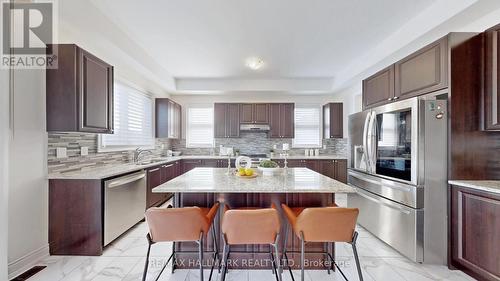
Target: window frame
{"type": "Point", "coordinates": [116, 148]}
{"type": "Point", "coordinates": [188, 124]}
{"type": "Point", "coordinates": [320, 125]}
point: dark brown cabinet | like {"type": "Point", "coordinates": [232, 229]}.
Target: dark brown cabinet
{"type": "Point", "coordinates": [159, 175]}
{"type": "Point", "coordinates": [79, 93]}
{"type": "Point", "coordinates": [226, 120]}
{"type": "Point", "coordinates": [254, 113]}
{"type": "Point", "coordinates": [168, 119]}
{"type": "Point", "coordinates": [282, 121]}
{"type": "Point", "coordinates": [475, 232]}
{"type": "Point", "coordinates": [189, 164]}
{"type": "Point", "coordinates": [335, 169]}
{"type": "Point", "coordinates": [154, 179]}
{"type": "Point", "coordinates": [378, 89]}
{"type": "Point", "coordinates": [333, 120]}
{"type": "Point", "coordinates": [492, 79]}
{"type": "Point", "coordinates": [422, 72]}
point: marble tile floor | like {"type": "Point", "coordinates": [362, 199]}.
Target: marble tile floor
{"type": "Point", "coordinates": [124, 260]}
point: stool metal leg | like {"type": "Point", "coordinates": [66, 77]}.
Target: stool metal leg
{"type": "Point", "coordinates": [145, 273]}
{"type": "Point", "coordinates": [302, 254]}
{"type": "Point", "coordinates": [200, 245]}
{"type": "Point", "coordinates": [174, 261]}
{"type": "Point", "coordinates": [356, 258]}
{"type": "Point", "coordinates": [277, 255]}
{"type": "Point", "coordinates": [225, 257]}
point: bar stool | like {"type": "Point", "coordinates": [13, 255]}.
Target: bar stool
{"type": "Point", "coordinates": [251, 226]}
{"type": "Point", "coordinates": [325, 224]}
{"type": "Point", "coordinates": [189, 224]}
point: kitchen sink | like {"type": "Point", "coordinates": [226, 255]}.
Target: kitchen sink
{"type": "Point", "coordinates": [147, 162]}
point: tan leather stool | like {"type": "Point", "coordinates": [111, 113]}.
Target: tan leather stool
{"type": "Point", "coordinates": [325, 224]}
{"type": "Point", "coordinates": [189, 224]}
{"type": "Point", "coordinates": [254, 227]}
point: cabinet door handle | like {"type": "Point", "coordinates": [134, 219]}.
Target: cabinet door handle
{"type": "Point", "coordinates": [154, 170]}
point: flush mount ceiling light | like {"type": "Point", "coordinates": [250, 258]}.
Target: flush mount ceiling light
{"type": "Point", "coordinates": [254, 63]}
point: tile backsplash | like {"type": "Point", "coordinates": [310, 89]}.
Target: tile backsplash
{"type": "Point", "coordinates": [248, 143]}
{"type": "Point", "coordinates": [256, 143]}
{"type": "Point", "coordinates": [74, 161]}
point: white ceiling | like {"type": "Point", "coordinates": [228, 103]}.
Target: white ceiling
{"type": "Point", "coordinates": [295, 38]}
{"type": "Point", "coordinates": [314, 46]}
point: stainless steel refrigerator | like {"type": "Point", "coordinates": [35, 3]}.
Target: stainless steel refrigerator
{"type": "Point", "coordinates": [399, 168]}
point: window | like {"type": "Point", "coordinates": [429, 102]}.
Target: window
{"type": "Point", "coordinates": [133, 121]}
{"type": "Point", "coordinates": [200, 126]}
{"type": "Point", "coordinates": [307, 126]}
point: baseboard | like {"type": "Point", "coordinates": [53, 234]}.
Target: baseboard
{"type": "Point", "coordinates": [26, 262]}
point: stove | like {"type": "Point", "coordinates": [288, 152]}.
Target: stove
{"type": "Point", "coordinates": [256, 158]}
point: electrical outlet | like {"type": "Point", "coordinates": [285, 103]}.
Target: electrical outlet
{"type": "Point", "coordinates": [61, 152]}
{"type": "Point", "coordinates": [162, 146]}
{"type": "Point", "coordinates": [84, 151]}
{"type": "Point", "coordinates": [324, 146]}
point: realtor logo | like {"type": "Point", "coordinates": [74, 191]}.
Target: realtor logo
{"type": "Point", "coordinates": [27, 29]}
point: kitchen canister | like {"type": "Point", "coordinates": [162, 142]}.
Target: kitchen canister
{"type": "Point", "coordinates": [306, 152]}
{"type": "Point", "coordinates": [316, 152]}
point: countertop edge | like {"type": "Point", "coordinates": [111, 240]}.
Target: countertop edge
{"type": "Point", "coordinates": [482, 185]}
{"type": "Point", "coordinates": [129, 168]}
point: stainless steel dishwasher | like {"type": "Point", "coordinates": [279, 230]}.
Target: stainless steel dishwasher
{"type": "Point", "coordinates": [124, 204]}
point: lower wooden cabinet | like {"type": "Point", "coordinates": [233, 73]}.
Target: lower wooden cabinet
{"type": "Point", "coordinates": [475, 232]}
{"type": "Point", "coordinates": [157, 176]}
{"type": "Point", "coordinates": [335, 169]}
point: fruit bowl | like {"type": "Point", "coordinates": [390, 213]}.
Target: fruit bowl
{"type": "Point", "coordinates": [245, 176]}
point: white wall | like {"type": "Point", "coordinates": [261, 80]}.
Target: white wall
{"type": "Point", "coordinates": [28, 231]}
{"type": "Point", "coordinates": [4, 181]}
{"type": "Point", "coordinates": [27, 154]}
{"type": "Point", "coordinates": [185, 100]}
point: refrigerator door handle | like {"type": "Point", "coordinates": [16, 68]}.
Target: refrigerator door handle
{"type": "Point", "coordinates": [365, 142]}
{"type": "Point", "coordinates": [371, 135]}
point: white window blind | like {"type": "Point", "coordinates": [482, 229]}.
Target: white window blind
{"type": "Point", "coordinates": [307, 126]}
{"type": "Point", "coordinates": [200, 126]}
{"type": "Point", "coordinates": [133, 120]}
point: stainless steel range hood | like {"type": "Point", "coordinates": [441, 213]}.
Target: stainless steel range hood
{"type": "Point", "coordinates": [255, 127]}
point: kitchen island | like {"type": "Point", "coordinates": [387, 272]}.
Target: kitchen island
{"type": "Point", "coordinates": [297, 187]}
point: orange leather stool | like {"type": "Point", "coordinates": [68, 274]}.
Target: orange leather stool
{"type": "Point", "coordinates": [180, 225]}
{"type": "Point", "coordinates": [324, 224]}
{"type": "Point", "coordinates": [254, 227]}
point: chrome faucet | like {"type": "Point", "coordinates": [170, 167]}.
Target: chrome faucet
{"type": "Point", "coordinates": [139, 152]}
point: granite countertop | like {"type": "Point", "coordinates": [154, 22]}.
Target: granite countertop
{"type": "Point", "coordinates": [216, 180]}
{"type": "Point", "coordinates": [484, 185]}
{"type": "Point", "coordinates": [107, 171]}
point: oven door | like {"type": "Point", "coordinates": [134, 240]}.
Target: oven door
{"type": "Point", "coordinates": [393, 141]}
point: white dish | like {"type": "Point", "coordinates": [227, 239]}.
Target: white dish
{"type": "Point", "coordinates": [268, 171]}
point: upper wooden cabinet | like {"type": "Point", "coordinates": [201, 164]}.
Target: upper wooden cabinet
{"type": "Point", "coordinates": [226, 120]}
{"type": "Point", "coordinates": [282, 120]}
{"type": "Point", "coordinates": [79, 93]}
{"type": "Point", "coordinates": [168, 119]}
{"type": "Point", "coordinates": [333, 120]}
{"type": "Point", "coordinates": [378, 89]}
{"type": "Point", "coordinates": [492, 79]}
{"type": "Point", "coordinates": [254, 113]}
{"type": "Point", "coordinates": [422, 72]}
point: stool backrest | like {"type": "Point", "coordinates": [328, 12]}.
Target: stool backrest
{"type": "Point", "coordinates": [259, 226]}
{"type": "Point", "coordinates": [176, 224]}
{"type": "Point", "coordinates": [328, 224]}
